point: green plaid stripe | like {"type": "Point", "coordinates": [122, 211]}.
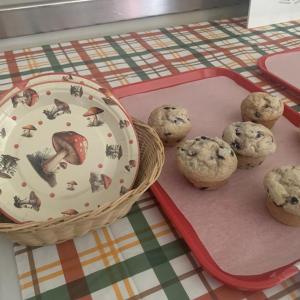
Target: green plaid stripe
{"type": "Point", "coordinates": [157, 257]}
{"type": "Point", "coordinates": [140, 256]}
{"type": "Point", "coordinates": [154, 256]}
{"type": "Point", "coordinates": [52, 59]}
{"type": "Point", "coordinates": [191, 52]}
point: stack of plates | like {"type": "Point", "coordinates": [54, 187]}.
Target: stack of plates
{"type": "Point", "coordinates": [67, 146]}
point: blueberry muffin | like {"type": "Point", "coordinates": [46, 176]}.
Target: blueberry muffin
{"type": "Point", "coordinates": [283, 189]}
{"type": "Point", "coordinates": [262, 108]}
{"type": "Point", "coordinates": [251, 143]}
{"type": "Point", "coordinates": [172, 123]}
{"type": "Point", "coordinates": [206, 162]}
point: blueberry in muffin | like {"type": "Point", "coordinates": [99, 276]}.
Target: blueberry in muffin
{"type": "Point", "coordinates": [283, 194]}
{"type": "Point", "coordinates": [171, 122]}
{"type": "Point", "coordinates": [206, 162]}
{"type": "Point", "coordinates": [262, 108]}
{"type": "Point", "coordinates": [251, 142]}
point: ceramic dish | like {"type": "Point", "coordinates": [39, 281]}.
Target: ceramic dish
{"type": "Point", "coordinates": [65, 148]}
{"type": "Point", "coordinates": [53, 77]}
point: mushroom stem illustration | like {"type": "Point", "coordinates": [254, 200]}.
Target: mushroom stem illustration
{"type": "Point", "coordinates": [27, 130]}
{"type": "Point", "coordinates": [93, 112]}
{"type": "Point", "coordinates": [95, 119]}
{"type": "Point", "coordinates": [71, 185]}
{"type": "Point", "coordinates": [21, 99]}
{"type": "Point", "coordinates": [29, 97]}
{"type": "Point", "coordinates": [63, 165]}
{"type": "Point", "coordinates": [99, 181]}
{"type": "Point", "coordinates": [51, 164]}
{"type": "Point", "coordinates": [34, 202]}
{"type": "Point", "coordinates": [70, 146]}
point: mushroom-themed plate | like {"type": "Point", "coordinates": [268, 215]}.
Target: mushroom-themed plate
{"type": "Point", "coordinates": [66, 147]}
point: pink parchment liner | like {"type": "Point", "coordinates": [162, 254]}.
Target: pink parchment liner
{"type": "Point", "coordinates": [285, 66]}
{"type": "Point", "coordinates": [232, 222]}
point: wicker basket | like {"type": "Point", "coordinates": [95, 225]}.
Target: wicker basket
{"type": "Point", "coordinates": [65, 228]}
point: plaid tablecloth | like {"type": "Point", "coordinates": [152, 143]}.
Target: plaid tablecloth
{"type": "Point", "coordinates": [141, 256]}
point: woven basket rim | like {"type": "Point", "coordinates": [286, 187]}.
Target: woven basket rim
{"type": "Point", "coordinates": [64, 220]}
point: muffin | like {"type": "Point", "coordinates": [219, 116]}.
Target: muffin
{"type": "Point", "coordinates": [206, 162]}
{"type": "Point", "coordinates": [251, 143]}
{"type": "Point", "coordinates": [172, 123]}
{"type": "Point", "coordinates": [283, 189]}
{"type": "Point", "coordinates": [262, 108]}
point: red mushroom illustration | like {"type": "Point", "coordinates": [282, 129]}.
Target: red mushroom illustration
{"type": "Point", "coordinates": [29, 97]}
{"type": "Point", "coordinates": [108, 96]}
{"type": "Point", "coordinates": [33, 202]}
{"type": "Point", "coordinates": [99, 181]}
{"type": "Point", "coordinates": [59, 109]}
{"type": "Point", "coordinates": [70, 212]}
{"type": "Point", "coordinates": [27, 130]}
{"type": "Point", "coordinates": [91, 115]}
{"type": "Point", "coordinates": [69, 146]}
{"type": "Point", "coordinates": [71, 185]}
{"type": "Point", "coordinates": [131, 164]}
{"type": "Point", "coordinates": [124, 123]}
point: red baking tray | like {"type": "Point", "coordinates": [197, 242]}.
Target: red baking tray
{"type": "Point", "coordinates": [148, 94]}
{"type": "Point", "coordinates": [283, 67]}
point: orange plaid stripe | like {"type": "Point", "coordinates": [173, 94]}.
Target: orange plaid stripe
{"type": "Point", "coordinates": [157, 228]}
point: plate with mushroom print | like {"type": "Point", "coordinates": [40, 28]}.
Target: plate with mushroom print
{"type": "Point", "coordinates": [66, 147]}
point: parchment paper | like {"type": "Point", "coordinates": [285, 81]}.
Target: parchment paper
{"type": "Point", "coordinates": [286, 66]}
{"type": "Point", "coordinates": [232, 222]}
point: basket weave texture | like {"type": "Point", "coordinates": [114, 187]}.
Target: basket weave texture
{"type": "Point", "coordinates": [65, 228]}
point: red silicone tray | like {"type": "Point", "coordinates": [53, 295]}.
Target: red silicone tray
{"type": "Point", "coordinates": [283, 67]}
{"type": "Point", "coordinates": [177, 217]}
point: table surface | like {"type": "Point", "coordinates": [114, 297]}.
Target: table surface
{"type": "Point", "coordinates": [140, 256]}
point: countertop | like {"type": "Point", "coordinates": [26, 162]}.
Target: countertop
{"type": "Point", "coordinates": [158, 265]}
{"type": "Point", "coordinates": [9, 285]}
